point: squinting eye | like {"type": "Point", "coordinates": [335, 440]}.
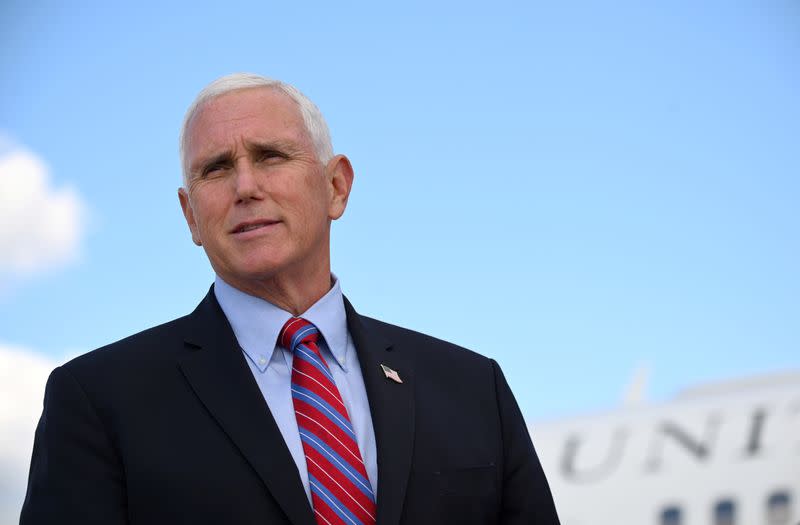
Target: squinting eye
{"type": "Point", "coordinates": [212, 168]}
{"type": "Point", "coordinates": [270, 154]}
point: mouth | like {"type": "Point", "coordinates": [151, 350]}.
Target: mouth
{"type": "Point", "coordinates": [244, 227]}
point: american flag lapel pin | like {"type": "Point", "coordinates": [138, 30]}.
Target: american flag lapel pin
{"type": "Point", "coordinates": [391, 374]}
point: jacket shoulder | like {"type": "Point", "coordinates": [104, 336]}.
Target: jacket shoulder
{"type": "Point", "coordinates": [153, 344]}
{"type": "Point", "coordinates": [424, 346]}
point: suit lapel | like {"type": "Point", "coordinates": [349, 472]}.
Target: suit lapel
{"type": "Point", "coordinates": [219, 376]}
{"type": "Point", "coordinates": [392, 409]}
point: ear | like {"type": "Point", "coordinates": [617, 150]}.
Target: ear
{"type": "Point", "coordinates": [186, 206]}
{"type": "Point", "coordinates": [339, 175]}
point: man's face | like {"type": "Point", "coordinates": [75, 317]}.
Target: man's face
{"type": "Point", "coordinates": [258, 199]}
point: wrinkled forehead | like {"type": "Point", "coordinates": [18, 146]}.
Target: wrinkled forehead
{"type": "Point", "coordinates": [260, 113]}
{"type": "Point", "coordinates": [259, 101]}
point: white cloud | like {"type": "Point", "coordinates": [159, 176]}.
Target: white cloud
{"type": "Point", "coordinates": [23, 375]}
{"type": "Point", "coordinates": [40, 226]}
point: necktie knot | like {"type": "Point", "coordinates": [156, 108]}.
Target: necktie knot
{"type": "Point", "coordinates": [297, 331]}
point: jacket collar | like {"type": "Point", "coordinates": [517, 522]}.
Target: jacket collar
{"type": "Point", "coordinates": [216, 370]}
{"type": "Point", "coordinates": [392, 409]}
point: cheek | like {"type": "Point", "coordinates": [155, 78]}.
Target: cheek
{"type": "Point", "coordinates": [209, 216]}
{"type": "Point", "coordinates": [303, 204]}
{"type": "Point", "coordinates": [317, 198]}
{"type": "Point", "coordinates": [315, 217]}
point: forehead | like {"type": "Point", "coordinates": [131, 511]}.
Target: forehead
{"type": "Point", "coordinates": [246, 115]}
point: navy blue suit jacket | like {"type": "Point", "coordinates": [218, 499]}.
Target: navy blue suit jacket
{"type": "Point", "coordinates": [168, 426]}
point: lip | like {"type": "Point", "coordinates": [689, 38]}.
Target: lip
{"type": "Point", "coordinates": [252, 228]}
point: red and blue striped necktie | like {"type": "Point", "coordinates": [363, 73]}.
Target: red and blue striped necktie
{"type": "Point", "coordinates": [340, 490]}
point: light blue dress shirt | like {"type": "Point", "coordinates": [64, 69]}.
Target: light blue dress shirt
{"type": "Point", "coordinates": [257, 323]}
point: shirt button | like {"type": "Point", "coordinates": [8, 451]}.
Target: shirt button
{"type": "Point", "coordinates": [262, 360]}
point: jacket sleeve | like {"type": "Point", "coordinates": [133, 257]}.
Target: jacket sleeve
{"type": "Point", "coordinates": [526, 497]}
{"type": "Point", "coordinates": [76, 475]}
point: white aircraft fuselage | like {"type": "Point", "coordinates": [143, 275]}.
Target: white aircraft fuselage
{"type": "Point", "coordinates": [726, 454]}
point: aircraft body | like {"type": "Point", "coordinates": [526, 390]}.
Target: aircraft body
{"type": "Point", "coordinates": [718, 454]}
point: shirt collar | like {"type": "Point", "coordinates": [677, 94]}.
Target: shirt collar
{"type": "Point", "coordinates": [256, 323]}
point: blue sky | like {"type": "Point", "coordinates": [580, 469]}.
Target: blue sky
{"type": "Point", "coordinates": [576, 190]}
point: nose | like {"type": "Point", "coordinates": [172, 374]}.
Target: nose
{"type": "Point", "coordinates": [246, 182]}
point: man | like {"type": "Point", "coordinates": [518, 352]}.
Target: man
{"type": "Point", "coordinates": [274, 401]}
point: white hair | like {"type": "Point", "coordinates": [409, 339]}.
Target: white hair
{"type": "Point", "coordinates": [314, 122]}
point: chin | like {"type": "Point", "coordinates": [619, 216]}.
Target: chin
{"type": "Point", "coordinates": [247, 270]}
{"type": "Point", "coordinates": [258, 272]}
{"type": "Point", "coordinates": [261, 262]}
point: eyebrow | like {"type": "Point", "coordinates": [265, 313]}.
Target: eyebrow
{"type": "Point", "coordinates": [281, 146]}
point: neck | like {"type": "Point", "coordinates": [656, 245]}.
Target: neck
{"type": "Point", "coordinates": [294, 295]}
